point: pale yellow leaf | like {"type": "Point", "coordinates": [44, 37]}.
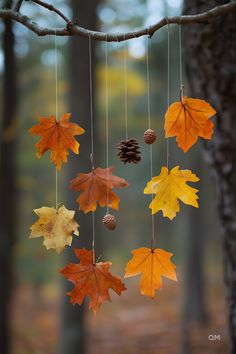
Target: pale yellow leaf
{"type": "Point", "coordinates": [56, 226]}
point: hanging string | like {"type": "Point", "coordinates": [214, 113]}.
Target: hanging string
{"type": "Point", "coordinates": [92, 138]}
{"type": "Point", "coordinates": [93, 241]}
{"type": "Point", "coordinates": [91, 98]}
{"type": "Point", "coordinates": [180, 62]}
{"type": "Point", "coordinates": [56, 189]}
{"type": "Point", "coordinates": [56, 109]}
{"type": "Point", "coordinates": [107, 125]}
{"type": "Point", "coordinates": [125, 90]}
{"type": "Point", "coordinates": [149, 126]}
{"type": "Point", "coordinates": [168, 92]}
{"type": "Point", "coordinates": [148, 84]}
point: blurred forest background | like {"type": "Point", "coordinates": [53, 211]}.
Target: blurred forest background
{"type": "Point", "coordinates": [41, 320]}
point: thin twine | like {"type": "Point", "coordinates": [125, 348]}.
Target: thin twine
{"type": "Point", "coordinates": [56, 106]}
{"type": "Point", "coordinates": [168, 92]}
{"type": "Point", "coordinates": [148, 86]}
{"type": "Point", "coordinates": [180, 62]}
{"type": "Point", "coordinates": [149, 126]}
{"type": "Point", "coordinates": [91, 97]}
{"type": "Point", "coordinates": [107, 126]}
{"type": "Point", "coordinates": [93, 242]}
{"type": "Point", "coordinates": [92, 136]}
{"type": "Point", "coordinates": [125, 90]}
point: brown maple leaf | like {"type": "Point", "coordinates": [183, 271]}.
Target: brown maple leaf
{"type": "Point", "coordinates": [57, 136]}
{"type": "Point", "coordinates": [96, 187]}
{"type": "Point", "coordinates": [91, 279]}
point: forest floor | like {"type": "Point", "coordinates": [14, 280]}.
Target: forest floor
{"type": "Point", "coordinates": [131, 324]}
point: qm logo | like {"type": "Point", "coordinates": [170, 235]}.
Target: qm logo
{"type": "Point", "coordinates": [214, 337]}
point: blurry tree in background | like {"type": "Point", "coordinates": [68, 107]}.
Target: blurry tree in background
{"type": "Point", "coordinates": [73, 337]}
{"type": "Point", "coordinates": [8, 181]}
{"type": "Point", "coordinates": [211, 53]}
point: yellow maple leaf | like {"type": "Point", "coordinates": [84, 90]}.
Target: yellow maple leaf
{"type": "Point", "coordinates": [170, 186]}
{"type": "Point", "coordinates": [153, 264]}
{"type": "Point", "coordinates": [56, 226]}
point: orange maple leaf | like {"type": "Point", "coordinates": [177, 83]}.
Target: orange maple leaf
{"type": "Point", "coordinates": [57, 136]}
{"type": "Point", "coordinates": [152, 264]}
{"type": "Point", "coordinates": [91, 279]}
{"type": "Point", "coordinates": [96, 187]}
{"type": "Point", "coordinates": [187, 120]}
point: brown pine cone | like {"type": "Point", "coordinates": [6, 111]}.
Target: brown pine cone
{"type": "Point", "coordinates": [128, 151]}
{"type": "Point", "coordinates": [109, 221]}
{"type": "Point", "coordinates": [150, 136]}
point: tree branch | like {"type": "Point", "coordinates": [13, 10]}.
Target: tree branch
{"type": "Point", "coordinates": [51, 8]}
{"type": "Point", "coordinates": [18, 5]}
{"type": "Point", "coordinates": [72, 29]}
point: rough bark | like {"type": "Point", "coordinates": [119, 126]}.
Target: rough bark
{"type": "Point", "coordinates": [7, 182]}
{"type": "Point", "coordinates": [73, 336]}
{"type": "Point", "coordinates": [211, 58]}
{"type": "Point", "coordinates": [194, 300]}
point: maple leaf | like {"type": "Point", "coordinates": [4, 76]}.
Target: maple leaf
{"type": "Point", "coordinates": [57, 136]}
{"type": "Point", "coordinates": [153, 264]}
{"type": "Point", "coordinates": [170, 186]}
{"type": "Point", "coordinates": [89, 279]}
{"type": "Point", "coordinates": [96, 187]}
{"type": "Point", "coordinates": [187, 120]}
{"type": "Point", "coordinates": [56, 226]}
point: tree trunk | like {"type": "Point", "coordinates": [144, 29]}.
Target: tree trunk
{"type": "Point", "coordinates": [73, 336]}
{"type": "Point", "coordinates": [194, 299]}
{"type": "Point", "coordinates": [211, 56]}
{"type": "Point", "coordinates": [7, 182]}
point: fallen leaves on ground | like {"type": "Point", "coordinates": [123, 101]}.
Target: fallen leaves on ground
{"type": "Point", "coordinates": [57, 136]}
{"type": "Point", "coordinates": [152, 264]}
{"type": "Point", "coordinates": [91, 279]}
{"type": "Point", "coordinates": [56, 226]}
{"type": "Point", "coordinates": [96, 187]}
{"type": "Point", "coordinates": [170, 186]}
{"type": "Point", "coordinates": [187, 120]}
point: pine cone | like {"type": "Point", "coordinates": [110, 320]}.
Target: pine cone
{"type": "Point", "coordinates": [150, 136]}
{"type": "Point", "coordinates": [128, 151]}
{"type": "Point", "coordinates": [109, 221]}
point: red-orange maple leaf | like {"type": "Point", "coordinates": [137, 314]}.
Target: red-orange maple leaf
{"type": "Point", "coordinates": [91, 279]}
{"type": "Point", "coordinates": [96, 187]}
{"type": "Point", "coordinates": [57, 136]}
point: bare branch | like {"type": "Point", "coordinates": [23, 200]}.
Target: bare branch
{"type": "Point", "coordinates": [18, 5]}
{"type": "Point", "coordinates": [51, 8]}
{"type": "Point", "coordinates": [72, 29]}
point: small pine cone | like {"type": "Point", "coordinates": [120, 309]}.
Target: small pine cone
{"type": "Point", "coordinates": [109, 221]}
{"type": "Point", "coordinates": [128, 151]}
{"type": "Point", "coordinates": [150, 136]}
